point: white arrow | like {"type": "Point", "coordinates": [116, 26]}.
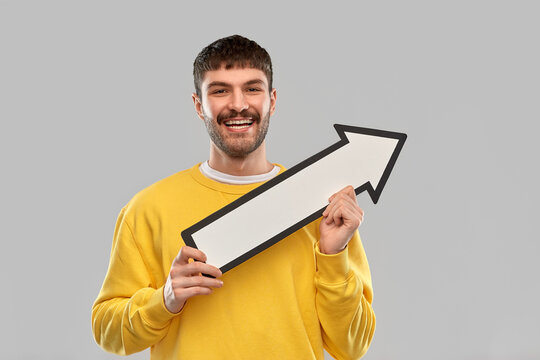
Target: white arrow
{"type": "Point", "coordinates": [362, 158]}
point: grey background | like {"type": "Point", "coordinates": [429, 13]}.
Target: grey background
{"type": "Point", "coordinates": [95, 104]}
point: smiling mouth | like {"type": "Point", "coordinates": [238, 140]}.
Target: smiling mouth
{"type": "Point", "coordinates": [238, 124]}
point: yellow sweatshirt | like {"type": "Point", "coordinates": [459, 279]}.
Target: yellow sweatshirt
{"type": "Point", "coordinates": [285, 303]}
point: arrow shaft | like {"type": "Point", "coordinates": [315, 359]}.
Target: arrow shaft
{"type": "Point", "coordinates": [270, 213]}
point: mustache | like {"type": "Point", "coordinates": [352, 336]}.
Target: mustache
{"type": "Point", "coordinates": [244, 113]}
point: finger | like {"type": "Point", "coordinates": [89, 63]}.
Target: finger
{"type": "Point", "coordinates": [328, 209]}
{"type": "Point", "coordinates": [331, 198]}
{"type": "Point", "coordinates": [187, 252]}
{"type": "Point", "coordinates": [340, 198]}
{"type": "Point", "coordinates": [331, 203]}
{"type": "Point", "coordinates": [331, 217]}
{"type": "Point", "coordinates": [191, 281]}
{"type": "Point", "coordinates": [350, 217]}
{"type": "Point", "coordinates": [351, 201]}
{"type": "Point", "coordinates": [334, 195]}
{"type": "Point", "coordinates": [348, 194]}
{"type": "Point", "coordinates": [345, 211]}
{"type": "Point", "coordinates": [186, 293]}
{"type": "Point", "coordinates": [349, 190]}
{"type": "Point", "coordinates": [196, 268]}
{"type": "Point", "coordinates": [346, 198]}
{"type": "Point", "coordinates": [337, 216]}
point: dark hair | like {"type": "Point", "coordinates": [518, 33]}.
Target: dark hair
{"type": "Point", "coordinates": [231, 52]}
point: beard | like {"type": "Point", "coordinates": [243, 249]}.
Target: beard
{"type": "Point", "coordinates": [240, 144]}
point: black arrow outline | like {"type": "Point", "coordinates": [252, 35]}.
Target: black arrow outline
{"type": "Point", "coordinates": [373, 193]}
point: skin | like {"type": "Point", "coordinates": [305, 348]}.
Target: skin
{"type": "Point", "coordinates": [242, 93]}
{"type": "Point", "coordinates": [235, 91]}
{"type": "Point", "coordinates": [340, 220]}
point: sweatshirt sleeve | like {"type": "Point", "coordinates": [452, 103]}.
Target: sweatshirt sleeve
{"type": "Point", "coordinates": [129, 314]}
{"type": "Point", "coordinates": [343, 300]}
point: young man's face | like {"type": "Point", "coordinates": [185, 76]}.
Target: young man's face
{"type": "Point", "coordinates": [236, 106]}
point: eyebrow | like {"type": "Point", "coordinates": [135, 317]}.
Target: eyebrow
{"type": "Point", "coordinates": [217, 83]}
{"type": "Point", "coordinates": [255, 82]}
{"type": "Point", "coordinates": [250, 82]}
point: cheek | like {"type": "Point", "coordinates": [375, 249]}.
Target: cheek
{"type": "Point", "coordinates": [208, 110]}
{"type": "Point", "coordinates": [264, 105]}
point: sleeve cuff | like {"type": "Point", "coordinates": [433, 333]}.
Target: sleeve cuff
{"type": "Point", "coordinates": [332, 268]}
{"type": "Point", "coordinates": [156, 313]}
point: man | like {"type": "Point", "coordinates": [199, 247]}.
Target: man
{"type": "Point", "coordinates": [310, 290]}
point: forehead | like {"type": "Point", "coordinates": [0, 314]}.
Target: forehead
{"type": "Point", "coordinates": [233, 76]}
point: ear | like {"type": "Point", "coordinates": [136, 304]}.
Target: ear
{"type": "Point", "coordinates": [273, 95]}
{"type": "Point", "coordinates": [198, 105]}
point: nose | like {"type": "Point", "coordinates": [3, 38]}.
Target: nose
{"type": "Point", "coordinates": [238, 101]}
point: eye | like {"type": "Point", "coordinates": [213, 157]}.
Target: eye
{"type": "Point", "coordinates": [252, 89]}
{"type": "Point", "coordinates": [219, 91]}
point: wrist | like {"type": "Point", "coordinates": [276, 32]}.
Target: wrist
{"type": "Point", "coordinates": [169, 300]}
{"type": "Point", "coordinates": [173, 308]}
{"type": "Point", "coordinates": [330, 250]}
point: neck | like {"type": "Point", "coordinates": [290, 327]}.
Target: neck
{"type": "Point", "coordinates": [254, 163]}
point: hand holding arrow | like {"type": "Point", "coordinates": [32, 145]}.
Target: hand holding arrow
{"type": "Point", "coordinates": [340, 220]}
{"type": "Point", "coordinates": [363, 158]}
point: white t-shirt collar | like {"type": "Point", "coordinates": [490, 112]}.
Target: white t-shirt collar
{"type": "Point", "coordinates": [207, 171]}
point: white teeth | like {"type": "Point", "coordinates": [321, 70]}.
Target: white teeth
{"type": "Point", "coordinates": [238, 122]}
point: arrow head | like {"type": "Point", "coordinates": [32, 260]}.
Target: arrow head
{"type": "Point", "coordinates": [377, 152]}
